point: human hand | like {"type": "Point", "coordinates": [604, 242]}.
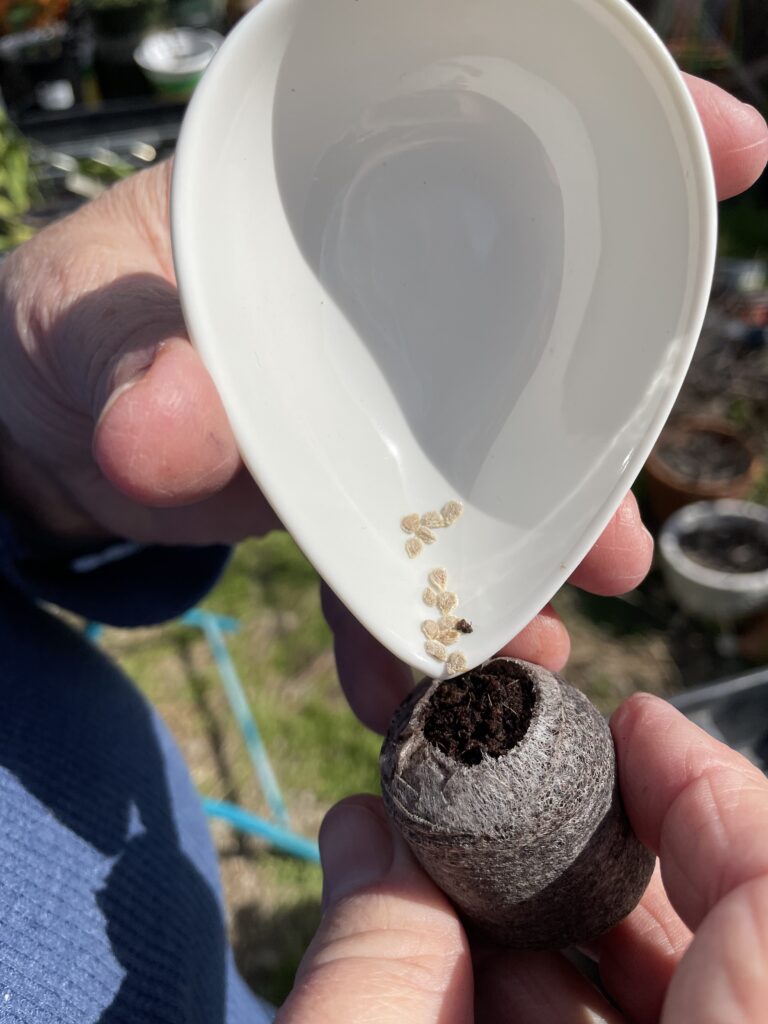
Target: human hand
{"type": "Point", "coordinates": [113, 427]}
{"type": "Point", "coordinates": [390, 947]}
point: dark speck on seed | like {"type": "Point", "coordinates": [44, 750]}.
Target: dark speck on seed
{"type": "Point", "coordinates": [463, 626]}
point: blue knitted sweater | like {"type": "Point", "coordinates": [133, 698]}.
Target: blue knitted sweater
{"type": "Point", "coordinates": [110, 903]}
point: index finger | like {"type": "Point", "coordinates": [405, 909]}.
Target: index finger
{"type": "Point", "coordinates": [701, 806]}
{"type": "Point", "coordinates": [736, 133]}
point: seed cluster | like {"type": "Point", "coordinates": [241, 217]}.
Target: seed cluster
{"type": "Point", "coordinates": [447, 630]}
{"type": "Point", "coordinates": [421, 528]}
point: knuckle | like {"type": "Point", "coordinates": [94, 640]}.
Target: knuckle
{"type": "Point", "coordinates": [723, 808]}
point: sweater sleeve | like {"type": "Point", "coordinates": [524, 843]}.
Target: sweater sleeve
{"type": "Point", "coordinates": [115, 582]}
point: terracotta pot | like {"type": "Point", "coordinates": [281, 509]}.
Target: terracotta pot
{"type": "Point", "coordinates": [669, 489]}
{"type": "Point", "coordinates": [753, 640]}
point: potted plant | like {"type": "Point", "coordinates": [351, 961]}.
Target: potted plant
{"type": "Point", "coordinates": [18, 187]}
{"type": "Point", "coordinates": [698, 459]}
{"type": "Point", "coordinates": [714, 557]}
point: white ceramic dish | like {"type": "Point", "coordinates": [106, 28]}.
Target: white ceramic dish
{"type": "Point", "coordinates": [444, 249]}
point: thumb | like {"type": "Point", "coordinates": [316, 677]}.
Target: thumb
{"type": "Point", "coordinates": [389, 948]}
{"type": "Point", "coordinates": [162, 437]}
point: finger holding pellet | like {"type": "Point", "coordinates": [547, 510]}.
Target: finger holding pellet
{"type": "Point", "coordinates": [679, 782]}
{"type": "Point", "coordinates": [544, 641]}
{"type": "Point", "coordinates": [638, 958]}
{"type": "Point", "coordinates": [620, 559]}
{"type": "Point", "coordinates": [536, 988]}
{"type": "Point", "coordinates": [389, 945]}
{"type": "Point", "coordinates": [705, 809]}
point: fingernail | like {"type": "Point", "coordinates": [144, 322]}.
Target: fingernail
{"type": "Point", "coordinates": [629, 513]}
{"type": "Point", "coordinates": [134, 365]}
{"type": "Point", "coordinates": [130, 369]}
{"type": "Point", "coordinates": [753, 114]}
{"type": "Point", "coordinates": [356, 850]}
{"type": "Point", "coordinates": [629, 708]}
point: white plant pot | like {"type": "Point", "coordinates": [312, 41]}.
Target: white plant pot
{"type": "Point", "coordinates": [174, 59]}
{"type": "Point", "coordinates": [703, 592]}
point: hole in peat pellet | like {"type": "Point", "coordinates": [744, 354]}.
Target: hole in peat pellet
{"type": "Point", "coordinates": [488, 710]}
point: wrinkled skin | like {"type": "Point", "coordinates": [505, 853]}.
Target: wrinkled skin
{"type": "Point", "coordinates": [111, 426]}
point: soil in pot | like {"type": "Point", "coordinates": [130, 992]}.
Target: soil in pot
{"type": "Point", "coordinates": [706, 455]}
{"type": "Point", "coordinates": [729, 546]}
{"type": "Point", "coordinates": [487, 711]}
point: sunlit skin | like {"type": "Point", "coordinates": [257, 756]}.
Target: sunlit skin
{"type": "Point", "coordinates": [111, 426]}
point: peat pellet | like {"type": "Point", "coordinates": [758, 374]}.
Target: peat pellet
{"type": "Point", "coordinates": [503, 783]}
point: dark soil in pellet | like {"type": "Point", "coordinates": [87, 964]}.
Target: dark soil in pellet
{"type": "Point", "coordinates": [730, 546]}
{"type": "Point", "coordinates": [487, 711]}
{"type": "Point", "coordinates": [705, 455]}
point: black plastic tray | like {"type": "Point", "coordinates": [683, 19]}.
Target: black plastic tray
{"type": "Point", "coordinates": [115, 125]}
{"type": "Point", "coordinates": [734, 711]}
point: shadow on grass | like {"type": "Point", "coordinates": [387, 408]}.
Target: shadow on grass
{"type": "Point", "coordinates": [212, 727]}
{"type": "Point", "coordinates": [618, 617]}
{"type": "Point", "coordinates": [695, 650]}
{"type": "Point", "coordinates": [289, 587]}
{"type": "Point", "coordinates": [270, 944]}
{"type": "Point", "coordinates": [270, 577]}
